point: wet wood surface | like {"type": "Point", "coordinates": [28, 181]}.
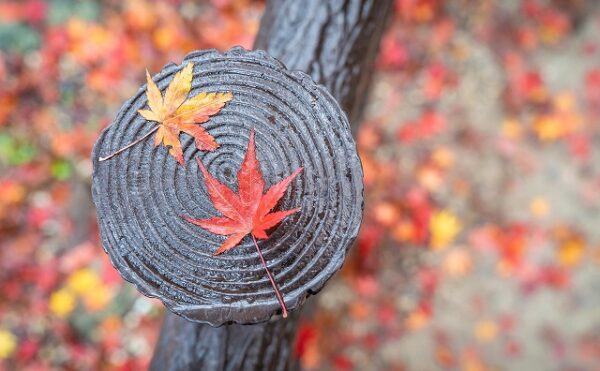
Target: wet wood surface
{"type": "Point", "coordinates": [335, 43]}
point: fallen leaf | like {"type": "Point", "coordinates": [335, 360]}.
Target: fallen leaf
{"type": "Point", "coordinates": [570, 252]}
{"type": "Point", "coordinates": [429, 177]}
{"type": "Point", "coordinates": [428, 125]}
{"type": "Point", "coordinates": [386, 213]}
{"type": "Point", "coordinates": [83, 280]}
{"type": "Point", "coordinates": [404, 231]}
{"type": "Point", "coordinates": [548, 128]}
{"type": "Point", "coordinates": [417, 319]}
{"type": "Point", "coordinates": [444, 356]}
{"type": "Point", "coordinates": [539, 207]}
{"type": "Point", "coordinates": [443, 226]}
{"type": "Point", "coordinates": [175, 113]}
{"type": "Point", "coordinates": [359, 311]}
{"type": "Point", "coordinates": [458, 263]}
{"type": "Point", "coordinates": [8, 344]}
{"type": "Point", "coordinates": [98, 298]}
{"type": "Point", "coordinates": [62, 302]}
{"type": "Point", "coordinates": [486, 331]}
{"type": "Point", "coordinates": [248, 212]}
{"type": "Point", "coordinates": [443, 157]}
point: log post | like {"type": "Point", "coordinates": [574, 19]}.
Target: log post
{"type": "Point", "coordinates": [222, 314]}
{"type": "Point", "coordinates": [334, 41]}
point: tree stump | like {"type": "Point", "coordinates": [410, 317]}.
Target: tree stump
{"type": "Point", "coordinates": [335, 42]}
{"type": "Point", "coordinates": [141, 194]}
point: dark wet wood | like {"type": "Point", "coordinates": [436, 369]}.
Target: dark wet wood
{"type": "Point", "coordinates": [142, 193]}
{"type": "Point", "coordinates": [335, 42]}
{"type": "Point", "coordinates": [185, 345]}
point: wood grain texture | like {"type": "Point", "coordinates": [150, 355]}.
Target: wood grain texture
{"type": "Point", "coordinates": [334, 41]}
{"type": "Point", "coordinates": [141, 194]}
{"type": "Point", "coordinates": [188, 346]}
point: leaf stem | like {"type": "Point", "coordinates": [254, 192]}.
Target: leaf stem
{"type": "Point", "coordinates": [129, 145]}
{"type": "Point", "coordinates": [284, 312]}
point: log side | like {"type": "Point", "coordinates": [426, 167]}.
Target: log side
{"type": "Point", "coordinates": [335, 42]}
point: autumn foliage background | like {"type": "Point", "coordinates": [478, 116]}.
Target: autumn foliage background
{"type": "Point", "coordinates": [480, 247]}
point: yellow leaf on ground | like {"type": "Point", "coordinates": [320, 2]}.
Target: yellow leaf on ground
{"type": "Point", "coordinates": [570, 252]}
{"type": "Point", "coordinates": [443, 227]}
{"type": "Point", "coordinates": [539, 207]}
{"type": "Point", "coordinates": [486, 331]}
{"type": "Point", "coordinates": [83, 281]}
{"type": "Point", "coordinates": [548, 128]}
{"type": "Point", "coordinates": [62, 302]}
{"type": "Point", "coordinates": [8, 344]}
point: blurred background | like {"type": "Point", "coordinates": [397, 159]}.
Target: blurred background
{"type": "Point", "coordinates": [480, 248]}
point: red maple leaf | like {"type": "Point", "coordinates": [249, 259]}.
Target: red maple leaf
{"type": "Point", "coordinates": [248, 212]}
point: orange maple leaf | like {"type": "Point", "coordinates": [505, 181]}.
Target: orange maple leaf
{"type": "Point", "coordinates": [175, 113]}
{"type": "Point", "coordinates": [248, 212]}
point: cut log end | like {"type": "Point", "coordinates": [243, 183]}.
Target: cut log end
{"type": "Point", "coordinates": [141, 193]}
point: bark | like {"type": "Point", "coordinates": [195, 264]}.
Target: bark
{"type": "Point", "coordinates": [335, 42]}
{"type": "Point", "coordinates": [185, 345]}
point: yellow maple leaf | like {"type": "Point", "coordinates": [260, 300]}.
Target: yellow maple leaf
{"type": "Point", "coordinates": [443, 227]}
{"type": "Point", "coordinates": [175, 113]}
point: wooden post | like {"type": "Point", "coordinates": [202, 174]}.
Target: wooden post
{"type": "Point", "coordinates": [335, 42]}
